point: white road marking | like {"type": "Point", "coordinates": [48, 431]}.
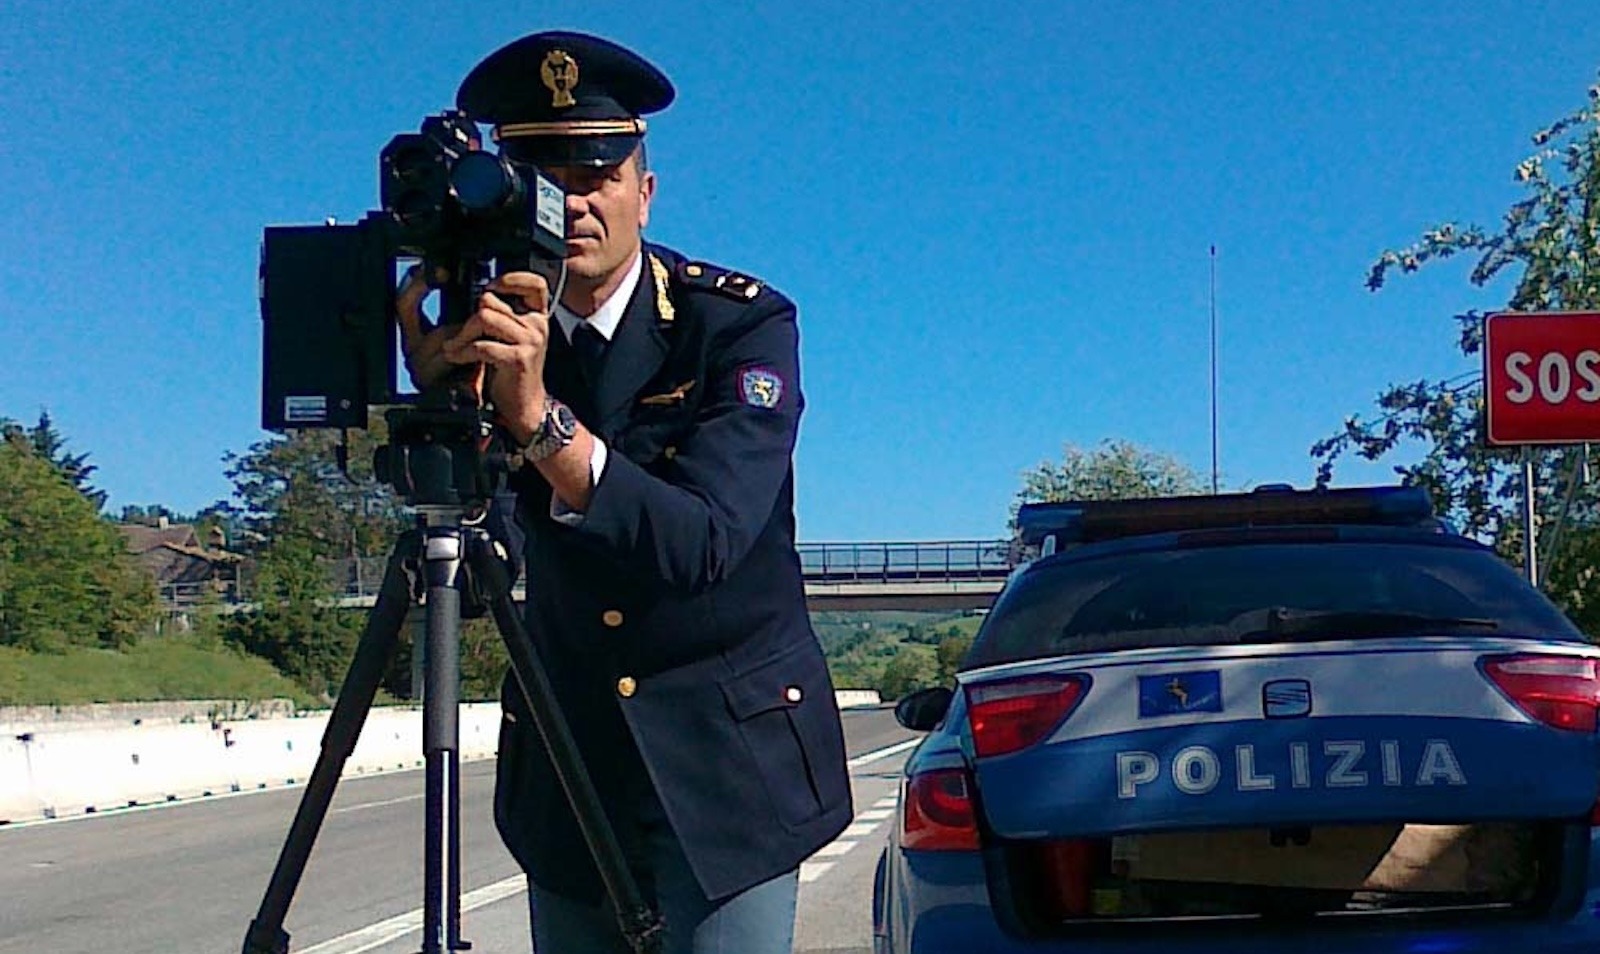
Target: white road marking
{"type": "Point", "coordinates": [387, 801]}
{"type": "Point", "coordinates": [882, 753]}
{"type": "Point", "coordinates": [864, 824]}
{"type": "Point", "coordinates": [216, 795]}
{"type": "Point", "coordinates": [374, 936]}
{"type": "Point", "coordinates": [812, 870]}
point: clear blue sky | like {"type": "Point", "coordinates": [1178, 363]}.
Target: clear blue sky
{"type": "Point", "coordinates": [995, 217]}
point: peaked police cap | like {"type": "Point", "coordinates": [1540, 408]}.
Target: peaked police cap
{"type": "Point", "coordinates": [563, 98]}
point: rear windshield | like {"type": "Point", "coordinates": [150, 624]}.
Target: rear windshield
{"type": "Point", "coordinates": [1218, 595]}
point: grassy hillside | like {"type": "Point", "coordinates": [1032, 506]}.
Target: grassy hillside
{"type": "Point", "coordinates": [151, 670]}
{"type": "Point", "coordinates": [890, 652]}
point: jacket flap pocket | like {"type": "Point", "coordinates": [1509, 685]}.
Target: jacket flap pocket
{"type": "Point", "coordinates": [777, 683]}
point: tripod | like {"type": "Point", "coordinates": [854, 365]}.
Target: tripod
{"type": "Point", "coordinates": [443, 557]}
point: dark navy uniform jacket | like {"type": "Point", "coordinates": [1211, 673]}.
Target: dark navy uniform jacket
{"type": "Point", "coordinates": [672, 618]}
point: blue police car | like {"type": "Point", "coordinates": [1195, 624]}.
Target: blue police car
{"type": "Point", "coordinates": [1283, 720]}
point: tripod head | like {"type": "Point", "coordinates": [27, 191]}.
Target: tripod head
{"type": "Point", "coordinates": [442, 452]}
{"type": "Point", "coordinates": [446, 459]}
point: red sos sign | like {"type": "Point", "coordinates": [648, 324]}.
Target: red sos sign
{"type": "Point", "coordinates": [1541, 373]}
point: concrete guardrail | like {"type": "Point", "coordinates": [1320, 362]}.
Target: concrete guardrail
{"type": "Point", "coordinates": [56, 764]}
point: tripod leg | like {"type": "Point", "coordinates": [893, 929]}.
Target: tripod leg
{"type": "Point", "coordinates": [453, 892]}
{"type": "Point", "coordinates": [640, 925]}
{"type": "Point", "coordinates": [266, 934]}
{"type": "Point", "coordinates": [441, 737]}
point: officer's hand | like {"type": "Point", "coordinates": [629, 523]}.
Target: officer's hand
{"type": "Point", "coordinates": [421, 341]}
{"type": "Point", "coordinates": [512, 345]}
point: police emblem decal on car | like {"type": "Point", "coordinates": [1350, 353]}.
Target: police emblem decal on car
{"type": "Point", "coordinates": [1179, 692]}
{"type": "Point", "coordinates": [1286, 698]}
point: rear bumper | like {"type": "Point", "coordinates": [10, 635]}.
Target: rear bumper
{"type": "Point", "coordinates": [938, 904]}
{"type": "Point", "coordinates": [949, 930]}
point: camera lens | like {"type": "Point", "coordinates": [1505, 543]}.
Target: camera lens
{"type": "Point", "coordinates": [481, 181]}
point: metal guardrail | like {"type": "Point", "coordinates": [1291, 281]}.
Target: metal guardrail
{"type": "Point", "coordinates": [187, 595]}
{"type": "Point", "coordinates": [952, 561]}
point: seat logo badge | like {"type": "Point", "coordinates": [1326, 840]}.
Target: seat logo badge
{"type": "Point", "coordinates": [1286, 699]}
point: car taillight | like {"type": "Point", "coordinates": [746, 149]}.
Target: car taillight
{"type": "Point", "coordinates": [936, 813]}
{"type": "Point", "coordinates": [1011, 714]}
{"type": "Point", "coordinates": [1560, 691]}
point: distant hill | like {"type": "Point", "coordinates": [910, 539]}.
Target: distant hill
{"type": "Point", "coordinates": [861, 646]}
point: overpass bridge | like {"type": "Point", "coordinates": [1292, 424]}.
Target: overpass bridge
{"type": "Point", "coordinates": [940, 575]}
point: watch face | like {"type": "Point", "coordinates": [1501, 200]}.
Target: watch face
{"type": "Point", "coordinates": [564, 422]}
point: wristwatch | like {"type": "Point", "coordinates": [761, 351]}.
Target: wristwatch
{"type": "Point", "coordinates": [557, 429]}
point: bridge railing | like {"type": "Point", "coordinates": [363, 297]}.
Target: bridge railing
{"type": "Point", "coordinates": [197, 593]}
{"type": "Point", "coordinates": [899, 562]}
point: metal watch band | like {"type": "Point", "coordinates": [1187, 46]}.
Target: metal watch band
{"type": "Point", "coordinates": [556, 430]}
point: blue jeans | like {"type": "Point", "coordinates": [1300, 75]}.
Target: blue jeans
{"type": "Point", "coordinates": [758, 920]}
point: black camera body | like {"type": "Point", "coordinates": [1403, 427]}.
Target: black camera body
{"type": "Point", "coordinates": [327, 292]}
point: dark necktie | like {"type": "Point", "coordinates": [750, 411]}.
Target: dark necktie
{"type": "Point", "coordinates": [590, 347]}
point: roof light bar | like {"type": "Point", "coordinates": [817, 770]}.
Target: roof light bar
{"type": "Point", "coordinates": [1271, 506]}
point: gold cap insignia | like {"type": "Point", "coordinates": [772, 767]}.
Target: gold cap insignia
{"type": "Point", "coordinates": [560, 74]}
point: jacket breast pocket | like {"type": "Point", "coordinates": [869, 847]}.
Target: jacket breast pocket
{"type": "Point", "coordinates": [775, 709]}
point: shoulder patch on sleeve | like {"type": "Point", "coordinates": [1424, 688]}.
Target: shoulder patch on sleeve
{"type": "Point", "coordinates": [734, 285]}
{"type": "Point", "coordinates": [760, 386]}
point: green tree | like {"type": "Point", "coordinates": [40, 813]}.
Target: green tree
{"type": "Point", "coordinates": [51, 446]}
{"type": "Point", "coordinates": [1116, 470]}
{"type": "Point", "coordinates": [147, 514]}
{"type": "Point", "coordinates": [65, 577]}
{"type": "Point", "coordinates": [906, 672]}
{"type": "Point", "coordinates": [295, 623]}
{"type": "Point", "coordinates": [291, 493]}
{"type": "Point", "coordinates": [1548, 245]}
{"type": "Point", "coordinates": [293, 485]}
{"type": "Point", "coordinates": [948, 655]}
{"type": "Point", "coordinates": [483, 660]}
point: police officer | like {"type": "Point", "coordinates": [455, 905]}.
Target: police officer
{"type": "Point", "coordinates": [654, 410]}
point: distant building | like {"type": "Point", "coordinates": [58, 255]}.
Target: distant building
{"type": "Point", "coordinates": [186, 570]}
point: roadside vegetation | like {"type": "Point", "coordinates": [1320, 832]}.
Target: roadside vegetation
{"type": "Point", "coordinates": [171, 669]}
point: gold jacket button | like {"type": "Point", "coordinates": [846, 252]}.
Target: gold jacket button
{"type": "Point", "coordinates": [793, 694]}
{"type": "Point", "coordinates": [626, 687]}
{"type": "Point", "coordinates": [612, 618]}
{"type": "Point", "coordinates": [669, 452]}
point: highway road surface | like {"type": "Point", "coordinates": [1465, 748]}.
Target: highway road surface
{"type": "Point", "coordinates": [187, 878]}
